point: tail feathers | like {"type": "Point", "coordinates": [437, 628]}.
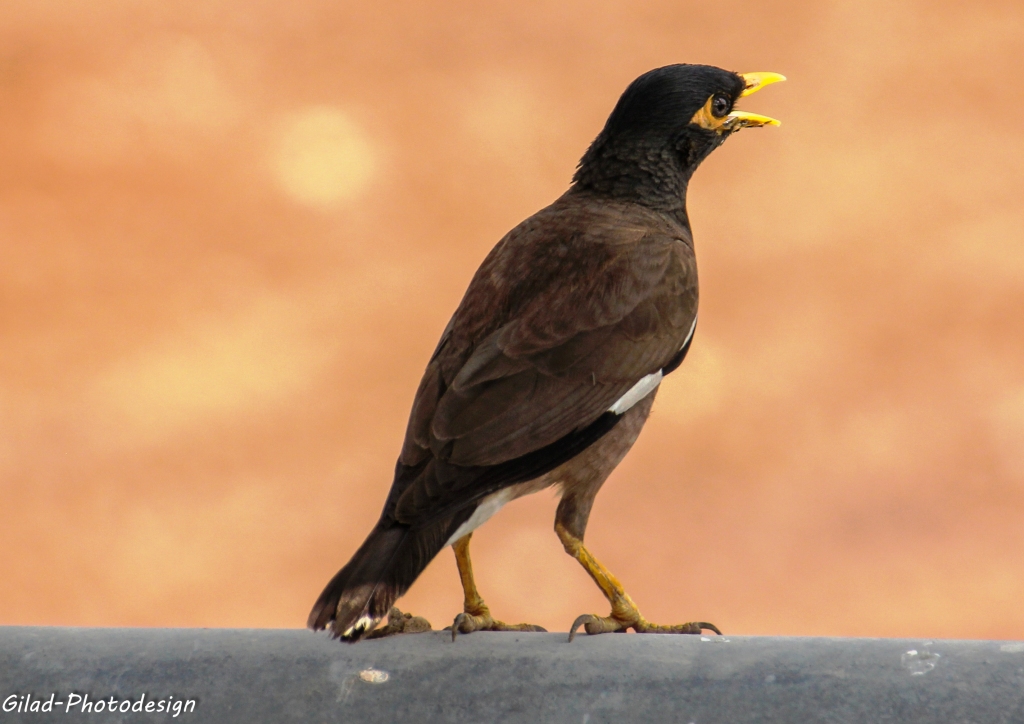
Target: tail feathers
{"type": "Point", "coordinates": [381, 571]}
{"type": "Point", "coordinates": [354, 600]}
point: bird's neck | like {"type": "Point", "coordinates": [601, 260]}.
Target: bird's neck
{"type": "Point", "coordinates": [651, 176]}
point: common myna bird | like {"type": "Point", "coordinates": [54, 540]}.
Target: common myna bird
{"type": "Point", "coordinates": [548, 369]}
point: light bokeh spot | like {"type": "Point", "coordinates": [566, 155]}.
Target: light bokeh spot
{"type": "Point", "coordinates": [324, 157]}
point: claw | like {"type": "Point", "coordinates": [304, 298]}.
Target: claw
{"type": "Point", "coordinates": [594, 625]}
{"type": "Point", "coordinates": [580, 621]}
{"type": "Point", "coordinates": [457, 625]}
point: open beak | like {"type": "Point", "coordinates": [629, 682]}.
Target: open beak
{"type": "Point", "coordinates": [742, 119]}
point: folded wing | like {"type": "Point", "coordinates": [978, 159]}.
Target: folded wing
{"type": "Point", "coordinates": [611, 299]}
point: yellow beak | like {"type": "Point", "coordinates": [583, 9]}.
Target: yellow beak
{"type": "Point", "coordinates": [757, 81]}
{"type": "Point", "coordinates": [742, 119]}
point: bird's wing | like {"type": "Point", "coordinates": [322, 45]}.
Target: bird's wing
{"type": "Point", "coordinates": [566, 314]}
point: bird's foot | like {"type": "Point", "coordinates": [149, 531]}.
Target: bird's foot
{"type": "Point", "coordinates": [401, 623]}
{"type": "Point", "coordinates": [481, 620]}
{"type": "Point", "coordinates": [620, 622]}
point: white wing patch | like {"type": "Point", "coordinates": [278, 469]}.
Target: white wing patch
{"type": "Point", "coordinates": [637, 392]}
{"type": "Point", "coordinates": [689, 335]}
{"type": "Point", "coordinates": [647, 384]}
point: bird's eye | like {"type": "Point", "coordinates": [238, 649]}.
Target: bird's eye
{"type": "Point", "coordinates": [720, 106]}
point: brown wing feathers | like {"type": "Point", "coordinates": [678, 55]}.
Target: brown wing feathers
{"type": "Point", "coordinates": [567, 345]}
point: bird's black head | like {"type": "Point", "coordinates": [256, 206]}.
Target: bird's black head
{"type": "Point", "coordinates": [666, 123]}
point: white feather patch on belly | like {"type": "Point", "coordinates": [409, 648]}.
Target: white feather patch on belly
{"type": "Point", "coordinates": [637, 392]}
{"type": "Point", "coordinates": [487, 507]}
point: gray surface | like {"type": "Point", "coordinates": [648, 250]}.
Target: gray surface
{"type": "Point", "coordinates": [295, 675]}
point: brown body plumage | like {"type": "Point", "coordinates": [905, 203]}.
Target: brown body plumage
{"type": "Point", "coordinates": [579, 309]}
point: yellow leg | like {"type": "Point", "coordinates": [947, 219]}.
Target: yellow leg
{"type": "Point", "coordinates": [625, 614]}
{"type": "Point", "coordinates": [474, 602]}
{"type": "Point", "coordinates": [475, 615]}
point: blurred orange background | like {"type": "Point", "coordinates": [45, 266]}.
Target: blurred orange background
{"type": "Point", "coordinates": [231, 233]}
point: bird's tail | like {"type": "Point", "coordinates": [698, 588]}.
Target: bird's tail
{"type": "Point", "coordinates": [384, 567]}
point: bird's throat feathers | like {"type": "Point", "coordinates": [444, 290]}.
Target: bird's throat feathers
{"type": "Point", "coordinates": [652, 172]}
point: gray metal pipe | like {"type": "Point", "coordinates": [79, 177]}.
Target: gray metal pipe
{"type": "Point", "coordinates": [227, 676]}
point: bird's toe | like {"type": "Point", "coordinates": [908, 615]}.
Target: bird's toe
{"type": "Point", "coordinates": [694, 627]}
{"type": "Point", "coordinates": [468, 623]}
{"type": "Point", "coordinates": [401, 623]}
{"type": "Point", "coordinates": [594, 625]}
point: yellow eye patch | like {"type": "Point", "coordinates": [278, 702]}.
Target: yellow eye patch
{"type": "Point", "coordinates": [734, 121]}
